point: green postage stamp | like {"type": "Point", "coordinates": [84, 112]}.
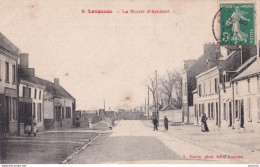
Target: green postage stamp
{"type": "Point", "coordinates": [237, 24]}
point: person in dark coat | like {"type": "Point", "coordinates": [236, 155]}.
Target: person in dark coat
{"type": "Point", "coordinates": [165, 123]}
{"type": "Point", "coordinates": [204, 126]}
{"type": "Point", "coordinates": [155, 124]}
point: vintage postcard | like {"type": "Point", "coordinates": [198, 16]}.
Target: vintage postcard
{"type": "Point", "coordinates": [129, 82]}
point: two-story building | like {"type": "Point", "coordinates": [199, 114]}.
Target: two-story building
{"type": "Point", "coordinates": [9, 55]}
{"type": "Point", "coordinates": [246, 98]}
{"type": "Point", "coordinates": [191, 70]}
{"type": "Point", "coordinates": [59, 105]}
{"type": "Point", "coordinates": [214, 92]}
{"type": "Point", "coordinates": [30, 96]}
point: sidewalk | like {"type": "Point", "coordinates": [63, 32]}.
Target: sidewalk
{"type": "Point", "coordinates": [241, 147]}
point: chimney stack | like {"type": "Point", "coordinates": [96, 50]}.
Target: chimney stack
{"type": "Point", "coordinates": [24, 60]}
{"type": "Point", "coordinates": [56, 81]}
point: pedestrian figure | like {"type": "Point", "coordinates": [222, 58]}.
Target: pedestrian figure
{"type": "Point", "coordinates": [34, 126]}
{"type": "Point", "coordinates": [166, 123]}
{"type": "Point", "coordinates": [204, 126]}
{"type": "Point", "coordinates": [155, 124]}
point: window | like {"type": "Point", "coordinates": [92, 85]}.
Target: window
{"type": "Point", "coordinates": [13, 74]}
{"type": "Point", "coordinates": [248, 85]}
{"type": "Point", "coordinates": [30, 93]}
{"type": "Point", "coordinates": [236, 88]}
{"type": "Point", "coordinates": [68, 112]}
{"type": "Point", "coordinates": [258, 111]}
{"type": "Point", "coordinates": [35, 93]}
{"type": "Point", "coordinates": [208, 110]}
{"type": "Point", "coordinates": [62, 114]}
{"type": "Point", "coordinates": [33, 110]}
{"type": "Point", "coordinates": [236, 109]}
{"type": "Point", "coordinates": [6, 72]}
{"type": "Point", "coordinates": [212, 110]}
{"type": "Point", "coordinates": [39, 112]}
{"type": "Point", "coordinates": [203, 108]}
{"type": "Point", "coordinates": [40, 94]}
{"type": "Point", "coordinates": [199, 110]}
{"type": "Point", "coordinates": [199, 90]}
{"type": "Point", "coordinates": [23, 91]}
{"type": "Point", "coordinates": [216, 85]}
{"type": "Point", "coordinates": [14, 109]}
{"type": "Point", "coordinates": [249, 109]}
{"type": "Point", "coordinates": [57, 113]}
{"type": "Point", "coordinates": [224, 111]}
{"type": "Point", "coordinates": [217, 114]}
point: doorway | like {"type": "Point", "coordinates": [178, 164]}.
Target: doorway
{"type": "Point", "coordinates": [230, 114]}
{"type": "Point", "coordinates": [242, 114]}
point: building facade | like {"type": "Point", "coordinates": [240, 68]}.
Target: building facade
{"type": "Point", "coordinates": [9, 55]}
{"type": "Point", "coordinates": [59, 105]}
{"type": "Point", "coordinates": [246, 95]}
{"type": "Point", "coordinates": [207, 60]}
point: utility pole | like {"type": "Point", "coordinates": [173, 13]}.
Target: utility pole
{"type": "Point", "coordinates": [157, 109]}
{"type": "Point", "coordinates": [148, 102]}
{"type": "Point", "coordinates": [145, 106]}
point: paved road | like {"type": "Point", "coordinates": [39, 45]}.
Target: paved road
{"type": "Point", "coordinates": [46, 148]}
{"type": "Point", "coordinates": [129, 142]}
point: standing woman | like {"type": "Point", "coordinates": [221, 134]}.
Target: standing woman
{"type": "Point", "coordinates": [204, 125]}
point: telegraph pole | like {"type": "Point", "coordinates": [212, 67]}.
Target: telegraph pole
{"type": "Point", "coordinates": [145, 106]}
{"type": "Point", "coordinates": [157, 109]}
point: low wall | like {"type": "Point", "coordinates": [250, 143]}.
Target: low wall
{"type": "Point", "coordinates": [172, 115]}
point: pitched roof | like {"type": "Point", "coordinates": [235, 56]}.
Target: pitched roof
{"type": "Point", "coordinates": [56, 89]}
{"type": "Point", "coordinates": [252, 70]}
{"type": "Point", "coordinates": [8, 45]}
{"type": "Point", "coordinates": [167, 107]}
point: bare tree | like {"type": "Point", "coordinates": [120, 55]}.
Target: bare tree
{"type": "Point", "coordinates": [152, 87]}
{"type": "Point", "coordinates": [171, 88]}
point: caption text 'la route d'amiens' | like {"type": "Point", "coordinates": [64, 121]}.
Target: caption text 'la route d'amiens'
{"type": "Point", "coordinates": [124, 11]}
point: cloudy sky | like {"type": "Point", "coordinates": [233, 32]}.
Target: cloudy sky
{"type": "Point", "coordinates": [107, 56]}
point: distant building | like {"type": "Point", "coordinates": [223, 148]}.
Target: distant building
{"type": "Point", "coordinates": [9, 55]}
{"type": "Point", "coordinates": [59, 105]}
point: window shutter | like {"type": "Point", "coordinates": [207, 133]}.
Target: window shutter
{"type": "Point", "coordinates": [248, 109]}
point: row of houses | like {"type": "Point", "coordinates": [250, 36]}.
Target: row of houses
{"type": "Point", "coordinates": [24, 95]}
{"type": "Point", "coordinates": [225, 88]}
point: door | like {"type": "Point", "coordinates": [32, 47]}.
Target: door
{"type": "Point", "coordinates": [230, 114]}
{"type": "Point", "coordinates": [217, 114]}
{"type": "Point", "coordinates": [242, 114]}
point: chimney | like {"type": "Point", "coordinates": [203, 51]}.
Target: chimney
{"type": "Point", "coordinates": [56, 81]}
{"type": "Point", "coordinates": [24, 60]}
{"type": "Point", "coordinates": [31, 72]}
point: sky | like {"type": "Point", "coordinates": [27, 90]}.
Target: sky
{"type": "Point", "coordinates": [107, 56]}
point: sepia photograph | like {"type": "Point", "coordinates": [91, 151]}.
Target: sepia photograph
{"type": "Point", "coordinates": [129, 82]}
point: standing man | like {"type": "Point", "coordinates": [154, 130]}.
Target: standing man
{"type": "Point", "coordinates": [166, 123]}
{"type": "Point", "coordinates": [155, 124]}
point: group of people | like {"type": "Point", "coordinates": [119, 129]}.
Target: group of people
{"type": "Point", "coordinates": [204, 126]}
{"type": "Point", "coordinates": [31, 126]}
{"type": "Point", "coordinates": [156, 123]}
